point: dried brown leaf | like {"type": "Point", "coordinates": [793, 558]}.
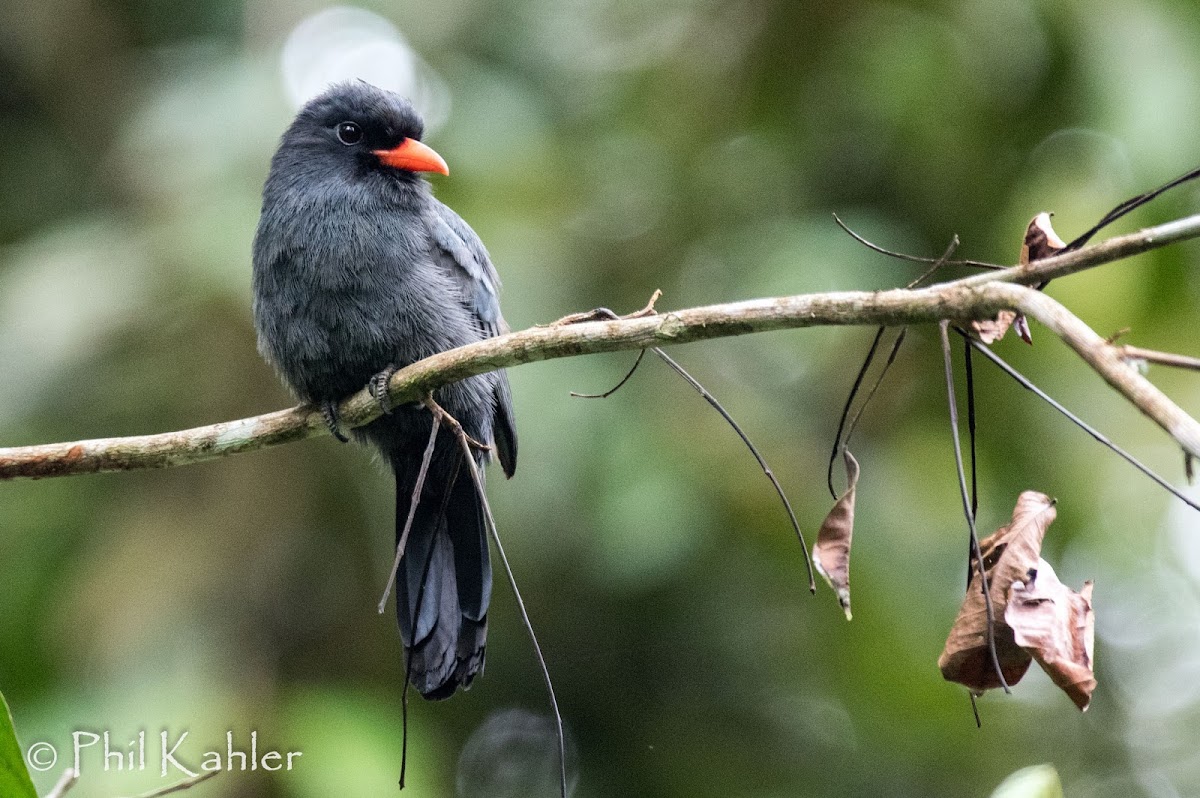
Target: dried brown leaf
{"type": "Point", "coordinates": [989, 331]}
{"type": "Point", "coordinates": [1056, 625]}
{"type": "Point", "coordinates": [1040, 242]}
{"type": "Point", "coordinates": [831, 552]}
{"type": "Point", "coordinates": [1008, 555]}
{"type": "Point", "coordinates": [1021, 325]}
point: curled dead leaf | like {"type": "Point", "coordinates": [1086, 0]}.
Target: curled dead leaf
{"type": "Point", "coordinates": [1021, 325]}
{"type": "Point", "coordinates": [1056, 625]}
{"type": "Point", "coordinates": [1037, 617]}
{"type": "Point", "coordinates": [1040, 242]}
{"type": "Point", "coordinates": [989, 331]}
{"type": "Point", "coordinates": [1008, 555]}
{"type": "Point", "coordinates": [831, 552]}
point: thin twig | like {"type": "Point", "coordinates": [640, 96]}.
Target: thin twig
{"type": "Point", "coordinates": [65, 782]}
{"type": "Point", "coordinates": [616, 387]}
{"type": "Point", "coordinates": [841, 442]}
{"type": "Point", "coordinates": [1131, 204]}
{"type": "Point", "coordinates": [418, 488]}
{"type": "Point", "coordinates": [838, 442]}
{"type": "Point", "coordinates": [971, 427]}
{"type": "Point", "coordinates": [1161, 358]}
{"type": "Point", "coordinates": [466, 443]}
{"type": "Point", "coordinates": [605, 313]}
{"type": "Point", "coordinates": [648, 310]}
{"type": "Point", "coordinates": [179, 786]}
{"type": "Point", "coordinates": [858, 380]}
{"type": "Point", "coordinates": [1076, 420]}
{"type": "Point", "coordinates": [891, 358]}
{"type": "Point", "coordinates": [937, 264]}
{"type": "Point", "coordinates": [712, 401]}
{"type": "Point", "coordinates": [913, 258]}
{"type": "Point", "coordinates": [966, 502]}
{"type": "Point", "coordinates": [787, 505]}
{"type": "Point", "coordinates": [600, 314]}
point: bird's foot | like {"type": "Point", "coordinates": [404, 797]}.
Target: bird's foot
{"type": "Point", "coordinates": [329, 411]}
{"type": "Point", "coordinates": [378, 388]}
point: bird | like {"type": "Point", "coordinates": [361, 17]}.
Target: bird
{"type": "Point", "coordinates": [359, 271]}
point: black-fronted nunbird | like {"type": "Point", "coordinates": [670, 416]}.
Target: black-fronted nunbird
{"type": "Point", "coordinates": [358, 271]}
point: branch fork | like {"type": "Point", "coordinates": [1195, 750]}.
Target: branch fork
{"type": "Point", "coordinates": [978, 296]}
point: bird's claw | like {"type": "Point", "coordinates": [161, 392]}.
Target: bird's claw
{"type": "Point", "coordinates": [378, 388]}
{"type": "Point", "coordinates": [329, 412]}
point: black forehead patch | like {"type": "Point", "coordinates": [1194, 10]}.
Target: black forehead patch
{"type": "Point", "coordinates": [370, 106]}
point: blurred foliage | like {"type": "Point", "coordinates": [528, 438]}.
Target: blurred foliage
{"type": "Point", "coordinates": [602, 149]}
{"type": "Point", "coordinates": [14, 776]}
{"type": "Point", "coordinates": [1035, 781]}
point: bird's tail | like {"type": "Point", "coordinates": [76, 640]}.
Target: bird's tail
{"type": "Point", "coordinates": [445, 581]}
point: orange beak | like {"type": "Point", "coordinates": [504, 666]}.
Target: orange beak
{"type": "Point", "coordinates": [413, 156]}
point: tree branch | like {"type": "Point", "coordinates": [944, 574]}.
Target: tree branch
{"type": "Point", "coordinates": [1113, 249]}
{"type": "Point", "coordinates": [1136, 353]}
{"type": "Point", "coordinates": [978, 296]}
{"type": "Point", "coordinates": [1107, 361]}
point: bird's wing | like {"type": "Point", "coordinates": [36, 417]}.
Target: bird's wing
{"type": "Point", "coordinates": [462, 255]}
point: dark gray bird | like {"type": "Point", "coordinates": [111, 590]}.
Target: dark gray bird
{"type": "Point", "coordinates": [358, 271]}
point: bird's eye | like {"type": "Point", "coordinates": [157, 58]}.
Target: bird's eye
{"type": "Point", "coordinates": [349, 133]}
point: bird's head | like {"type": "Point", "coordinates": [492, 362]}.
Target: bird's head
{"type": "Point", "coordinates": [357, 124]}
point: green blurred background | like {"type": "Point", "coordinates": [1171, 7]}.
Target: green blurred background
{"type": "Point", "coordinates": [602, 149]}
